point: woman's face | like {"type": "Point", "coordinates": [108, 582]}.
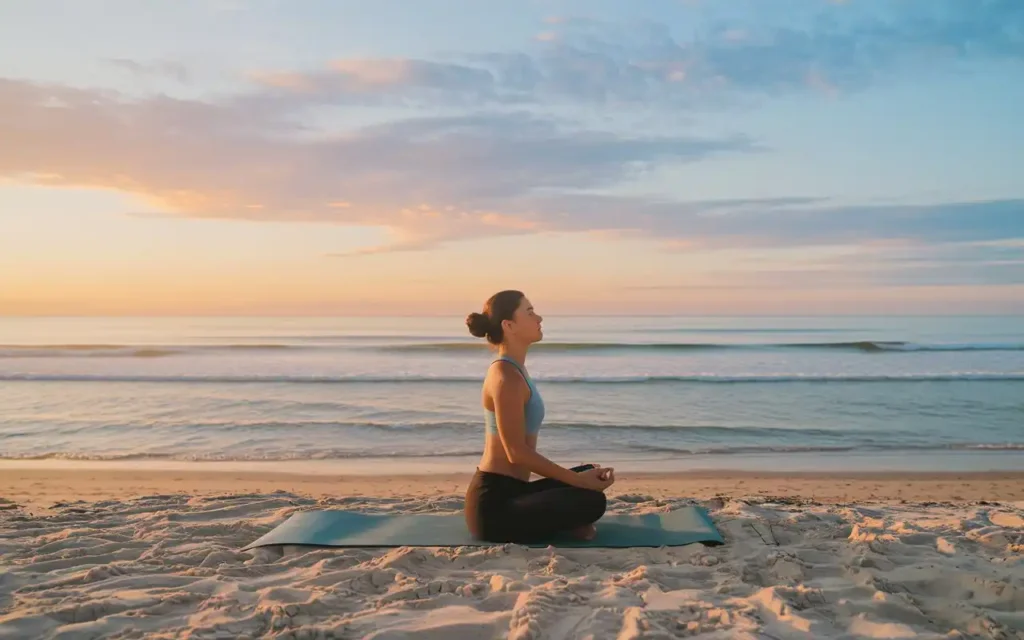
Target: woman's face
{"type": "Point", "coordinates": [526, 323]}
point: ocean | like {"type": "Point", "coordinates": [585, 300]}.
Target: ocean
{"type": "Point", "coordinates": [639, 393]}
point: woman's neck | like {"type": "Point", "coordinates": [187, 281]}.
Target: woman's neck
{"type": "Point", "coordinates": [513, 351]}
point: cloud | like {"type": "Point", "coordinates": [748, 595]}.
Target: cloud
{"type": "Point", "coordinates": [751, 51]}
{"type": "Point", "coordinates": [827, 223]}
{"type": "Point", "coordinates": [382, 80]}
{"type": "Point", "coordinates": [966, 263]}
{"type": "Point", "coordinates": [873, 265]}
{"type": "Point", "coordinates": [430, 179]}
{"type": "Point", "coordinates": [579, 21]}
{"type": "Point", "coordinates": [874, 277]}
{"type": "Point", "coordinates": [396, 247]}
{"type": "Point", "coordinates": [800, 47]}
{"type": "Point", "coordinates": [158, 69]}
{"type": "Point", "coordinates": [425, 177]}
{"type": "Point", "coordinates": [500, 163]}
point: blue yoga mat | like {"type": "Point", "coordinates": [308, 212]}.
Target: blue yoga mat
{"type": "Point", "coordinates": [336, 528]}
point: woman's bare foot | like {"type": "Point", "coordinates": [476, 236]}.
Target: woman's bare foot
{"type": "Point", "coordinates": [586, 532]}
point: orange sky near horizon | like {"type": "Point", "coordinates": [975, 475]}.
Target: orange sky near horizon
{"type": "Point", "coordinates": [104, 260]}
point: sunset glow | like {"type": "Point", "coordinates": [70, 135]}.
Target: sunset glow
{"type": "Point", "coordinates": [336, 158]}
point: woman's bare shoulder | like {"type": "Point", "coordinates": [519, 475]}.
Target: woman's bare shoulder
{"type": "Point", "coordinates": [504, 375]}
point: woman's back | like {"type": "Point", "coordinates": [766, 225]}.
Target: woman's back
{"type": "Point", "coordinates": [506, 372]}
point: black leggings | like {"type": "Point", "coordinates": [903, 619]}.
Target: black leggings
{"type": "Point", "coordinates": [501, 508]}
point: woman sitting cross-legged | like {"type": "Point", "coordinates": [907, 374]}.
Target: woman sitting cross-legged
{"type": "Point", "coordinates": [502, 505]}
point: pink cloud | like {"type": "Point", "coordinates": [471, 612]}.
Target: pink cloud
{"type": "Point", "coordinates": [429, 177]}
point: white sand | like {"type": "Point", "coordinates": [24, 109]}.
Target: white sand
{"type": "Point", "coordinates": [168, 566]}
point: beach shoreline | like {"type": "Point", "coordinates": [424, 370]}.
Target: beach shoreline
{"type": "Point", "coordinates": [37, 488]}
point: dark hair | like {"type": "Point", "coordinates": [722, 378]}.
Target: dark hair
{"type": "Point", "coordinates": [498, 308]}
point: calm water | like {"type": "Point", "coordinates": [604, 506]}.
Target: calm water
{"type": "Point", "coordinates": [647, 392]}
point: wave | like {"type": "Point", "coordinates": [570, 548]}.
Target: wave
{"type": "Point", "coordinates": [630, 450]}
{"type": "Point", "coordinates": [447, 427]}
{"type": "Point", "coordinates": [459, 346]}
{"type": "Point", "coordinates": [730, 330]}
{"type": "Point", "coordinates": [638, 379]}
{"type": "Point", "coordinates": [127, 351]}
{"type": "Point", "coordinates": [326, 454]}
{"type": "Point", "coordinates": [866, 447]}
{"type": "Point", "coordinates": [866, 346]}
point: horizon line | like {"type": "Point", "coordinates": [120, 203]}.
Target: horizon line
{"type": "Point", "coordinates": [547, 315]}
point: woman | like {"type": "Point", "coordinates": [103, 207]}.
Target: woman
{"type": "Point", "coordinates": [502, 505]}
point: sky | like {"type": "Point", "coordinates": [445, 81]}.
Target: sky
{"type": "Point", "coordinates": [332, 157]}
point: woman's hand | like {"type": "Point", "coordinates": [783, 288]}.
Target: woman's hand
{"type": "Point", "coordinates": [596, 479]}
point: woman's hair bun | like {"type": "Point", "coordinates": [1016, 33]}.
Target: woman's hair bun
{"type": "Point", "coordinates": [500, 307]}
{"type": "Point", "coordinates": [479, 324]}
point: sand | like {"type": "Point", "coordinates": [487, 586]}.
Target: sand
{"type": "Point", "coordinates": [94, 553]}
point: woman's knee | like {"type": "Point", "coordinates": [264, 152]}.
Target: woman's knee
{"type": "Point", "coordinates": [595, 503]}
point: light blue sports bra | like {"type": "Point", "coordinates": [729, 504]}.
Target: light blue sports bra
{"type": "Point", "coordinates": [534, 410]}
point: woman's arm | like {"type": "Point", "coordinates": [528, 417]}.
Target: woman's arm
{"type": "Point", "coordinates": [509, 392]}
